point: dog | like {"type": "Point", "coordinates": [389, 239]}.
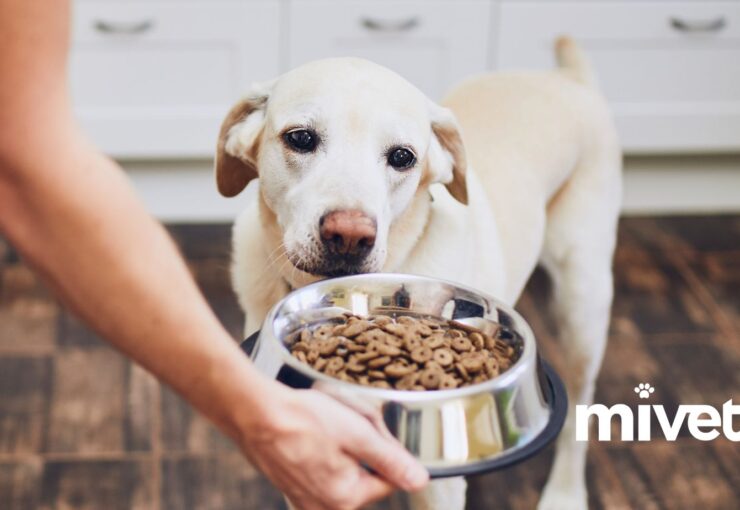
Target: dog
{"type": "Point", "coordinates": [360, 172]}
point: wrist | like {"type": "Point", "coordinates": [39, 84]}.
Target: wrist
{"type": "Point", "coordinates": [249, 400]}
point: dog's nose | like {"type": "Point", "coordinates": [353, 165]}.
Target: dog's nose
{"type": "Point", "coordinates": [348, 232]}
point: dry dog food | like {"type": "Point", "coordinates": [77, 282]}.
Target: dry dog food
{"type": "Point", "coordinates": [403, 352]}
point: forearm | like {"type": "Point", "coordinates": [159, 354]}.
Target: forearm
{"type": "Point", "coordinates": [123, 275]}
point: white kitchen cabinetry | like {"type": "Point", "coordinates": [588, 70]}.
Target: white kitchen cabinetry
{"type": "Point", "coordinates": [154, 79]}
{"type": "Point", "coordinates": [432, 43]}
{"type": "Point", "coordinates": [671, 70]}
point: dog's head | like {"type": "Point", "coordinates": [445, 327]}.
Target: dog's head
{"type": "Point", "coordinates": [341, 148]}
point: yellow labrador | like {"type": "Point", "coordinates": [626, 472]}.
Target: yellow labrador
{"type": "Point", "coordinates": [360, 172]}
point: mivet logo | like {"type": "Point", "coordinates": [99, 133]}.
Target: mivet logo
{"type": "Point", "coordinates": [704, 422]}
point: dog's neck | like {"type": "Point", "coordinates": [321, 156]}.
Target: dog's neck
{"type": "Point", "coordinates": [403, 235]}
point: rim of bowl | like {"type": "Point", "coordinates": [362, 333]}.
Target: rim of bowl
{"type": "Point", "coordinates": [502, 381]}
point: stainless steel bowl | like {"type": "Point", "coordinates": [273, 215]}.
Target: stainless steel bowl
{"type": "Point", "coordinates": [453, 432]}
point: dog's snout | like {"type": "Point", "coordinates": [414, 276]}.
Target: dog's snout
{"type": "Point", "coordinates": [349, 232]}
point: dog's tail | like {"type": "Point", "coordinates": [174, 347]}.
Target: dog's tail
{"type": "Point", "coordinates": [572, 60]}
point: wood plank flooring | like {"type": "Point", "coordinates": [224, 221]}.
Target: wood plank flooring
{"type": "Point", "coordinates": [82, 428]}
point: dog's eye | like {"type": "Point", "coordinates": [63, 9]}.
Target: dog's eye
{"type": "Point", "coordinates": [301, 140]}
{"type": "Point", "coordinates": [401, 158]}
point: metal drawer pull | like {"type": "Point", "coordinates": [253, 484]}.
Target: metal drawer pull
{"type": "Point", "coordinates": [138, 27]}
{"type": "Point", "coordinates": [714, 25]}
{"type": "Point", "coordinates": [381, 25]}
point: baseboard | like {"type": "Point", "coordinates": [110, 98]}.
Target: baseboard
{"type": "Point", "coordinates": [185, 191]}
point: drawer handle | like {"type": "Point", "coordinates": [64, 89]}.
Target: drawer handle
{"type": "Point", "coordinates": [108, 27]}
{"type": "Point", "coordinates": [714, 25]}
{"type": "Point", "coordinates": [384, 25]}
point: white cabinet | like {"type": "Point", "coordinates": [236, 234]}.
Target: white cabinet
{"type": "Point", "coordinates": [432, 43]}
{"type": "Point", "coordinates": [671, 70]}
{"type": "Point", "coordinates": [154, 79]}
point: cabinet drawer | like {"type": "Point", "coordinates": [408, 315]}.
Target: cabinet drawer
{"type": "Point", "coordinates": [634, 20]}
{"type": "Point", "coordinates": [669, 69]}
{"type": "Point", "coordinates": [155, 78]}
{"type": "Point", "coordinates": [432, 43]}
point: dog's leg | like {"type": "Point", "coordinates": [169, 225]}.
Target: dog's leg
{"type": "Point", "coordinates": [443, 494]}
{"type": "Point", "coordinates": [582, 301]}
{"type": "Point", "coordinates": [578, 250]}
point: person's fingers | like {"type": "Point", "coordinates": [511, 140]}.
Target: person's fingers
{"type": "Point", "coordinates": [385, 456]}
{"type": "Point", "coordinates": [367, 409]}
{"type": "Point", "coordinates": [371, 488]}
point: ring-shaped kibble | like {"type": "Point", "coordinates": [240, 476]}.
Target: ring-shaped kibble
{"type": "Point", "coordinates": [323, 332]}
{"type": "Point", "coordinates": [395, 329]}
{"type": "Point", "coordinates": [448, 382]}
{"type": "Point", "coordinates": [355, 367]}
{"type": "Point", "coordinates": [338, 329]}
{"type": "Point", "coordinates": [394, 341]}
{"type": "Point", "coordinates": [382, 320]}
{"type": "Point", "coordinates": [443, 357]}
{"type": "Point", "coordinates": [367, 355]}
{"type": "Point", "coordinates": [397, 369]}
{"type": "Point", "coordinates": [411, 342]}
{"type": "Point", "coordinates": [422, 354]}
{"type": "Point", "coordinates": [390, 350]}
{"type": "Point", "coordinates": [407, 381]}
{"type": "Point", "coordinates": [335, 364]}
{"type": "Point", "coordinates": [407, 320]}
{"type": "Point", "coordinates": [376, 374]}
{"type": "Point", "coordinates": [477, 340]}
{"type": "Point", "coordinates": [430, 379]}
{"type": "Point", "coordinates": [423, 330]}
{"type": "Point", "coordinates": [328, 346]}
{"type": "Point", "coordinates": [356, 327]}
{"type": "Point", "coordinates": [461, 370]}
{"type": "Point", "coordinates": [300, 347]}
{"type": "Point", "coordinates": [435, 341]}
{"type": "Point", "coordinates": [491, 343]}
{"type": "Point", "coordinates": [371, 335]}
{"type": "Point", "coordinates": [312, 355]}
{"type": "Point", "coordinates": [461, 344]}
{"type": "Point", "coordinates": [431, 323]}
{"type": "Point", "coordinates": [374, 347]}
{"type": "Point", "coordinates": [433, 365]}
{"type": "Point", "coordinates": [472, 365]}
{"type": "Point", "coordinates": [457, 353]}
{"type": "Point", "coordinates": [381, 384]}
{"type": "Point", "coordinates": [379, 362]}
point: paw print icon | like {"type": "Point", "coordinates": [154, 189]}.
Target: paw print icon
{"type": "Point", "coordinates": [644, 390]}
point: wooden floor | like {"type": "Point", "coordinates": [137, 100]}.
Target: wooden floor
{"type": "Point", "coordinates": [80, 427]}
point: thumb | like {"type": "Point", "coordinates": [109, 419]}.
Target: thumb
{"type": "Point", "coordinates": [386, 456]}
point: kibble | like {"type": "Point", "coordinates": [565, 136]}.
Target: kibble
{"type": "Point", "coordinates": [403, 352]}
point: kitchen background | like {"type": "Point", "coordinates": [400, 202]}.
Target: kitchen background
{"type": "Point", "coordinates": [80, 427]}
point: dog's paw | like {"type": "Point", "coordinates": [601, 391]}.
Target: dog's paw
{"type": "Point", "coordinates": [556, 498]}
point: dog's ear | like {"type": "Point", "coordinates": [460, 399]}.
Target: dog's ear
{"type": "Point", "coordinates": [447, 160]}
{"type": "Point", "coordinates": [238, 142]}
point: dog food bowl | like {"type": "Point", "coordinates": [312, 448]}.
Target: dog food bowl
{"type": "Point", "coordinates": [453, 432]}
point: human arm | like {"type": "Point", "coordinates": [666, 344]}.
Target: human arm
{"type": "Point", "coordinates": [72, 214]}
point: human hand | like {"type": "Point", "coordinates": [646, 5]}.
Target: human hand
{"type": "Point", "coordinates": [311, 446]}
